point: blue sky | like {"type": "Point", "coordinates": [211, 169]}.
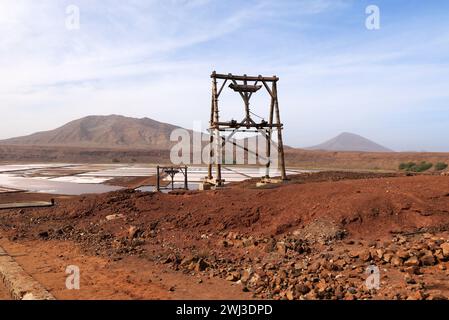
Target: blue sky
{"type": "Point", "coordinates": [153, 59]}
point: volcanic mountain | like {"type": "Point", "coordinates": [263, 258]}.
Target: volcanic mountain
{"type": "Point", "coordinates": [350, 142]}
{"type": "Point", "coordinates": [111, 131]}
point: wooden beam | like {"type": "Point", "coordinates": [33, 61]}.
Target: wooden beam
{"type": "Point", "coordinates": [243, 78]}
{"type": "Point", "coordinates": [268, 89]}
{"type": "Point", "coordinates": [241, 94]}
{"type": "Point", "coordinates": [251, 94]}
{"type": "Point", "coordinates": [239, 125]}
{"type": "Point", "coordinates": [222, 87]}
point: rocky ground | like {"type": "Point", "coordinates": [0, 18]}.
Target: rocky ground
{"type": "Point", "coordinates": [317, 237]}
{"type": "Point", "coordinates": [295, 269]}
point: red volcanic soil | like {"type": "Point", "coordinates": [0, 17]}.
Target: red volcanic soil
{"type": "Point", "coordinates": [366, 207]}
{"type": "Point", "coordinates": [222, 234]}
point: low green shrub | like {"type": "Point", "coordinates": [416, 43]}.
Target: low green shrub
{"type": "Point", "coordinates": [414, 167]}
{"type": "Point", "coordinates": [440, 166]}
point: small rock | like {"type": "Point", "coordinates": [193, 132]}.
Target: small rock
{"type": "Point", "coordinates": [172, 258]}
{"type": "Point", "coordinates": [185, 262]}
{"type": "Point", "coordinates": [387, 257]}
{"type": "Point", "coordinates": [402, 239]}
{"type": "Point", "coordinates": [132, 232]}
{"type": "Point", "coordinates": [437, 296]}
{"type": "Point", "coordinates": [43, 234]}
{"type": "Point", "coordinates": [247, 242]}
{"type": "Point", "coordinates": [246, 275]}
{"type": "Point", "coordinates": [413, 270]}
{"type": "Point", "coordinates": [403, 254]}
{"type": "Point", "coordinates": [396, 261]}
{"type": "Point", "coordinates": [365, 255]}
{"type": "Point", "coordinates": [372, 244]}
{"type": "Point", "coordinates": [233, 276]}
{"type": "Point", "coordinates": [340, 264]}
{"type": "Point", "coordinates": [428, 259]}
{"type": "Point", "coordinates": [112, 217]}
{"type": "Point", "coordinates": [226, 243]}
{"type": "Point", "coordinates": [439, 254]}
{"type": "Point", "coordinates": [270, 246]}
{"type": "Point", "coordinates": [380, 253]}
{"type": "Point", "coordinates": [201, 265]}
{"type": "Point", "coordinates": [302, 289]}
{"type": "Point", "coordinates": [281, 248]}
{"type": "Point", "coordinates": [445, 248]}
{"type": "Point", "coordinates": [352, 290]}
{"type": "Point", "coordinates": [418, 295]}
{"type": "Point", "coordinates": [411, 262]}
{"type": "Point", "coordinates": [410, 280]}
{"type": "Point", "coordinates": [290, 295]}
{"type": "Point", "coordinates": [321, 286]}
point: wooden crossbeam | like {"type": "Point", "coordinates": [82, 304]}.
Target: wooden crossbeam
{"type": "Point", "coordinates": [243, 78]}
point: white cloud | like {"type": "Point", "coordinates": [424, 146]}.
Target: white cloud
{"type": "Point", "coordinates": [153, 58]}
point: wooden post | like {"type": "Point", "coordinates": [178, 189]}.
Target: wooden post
{"type": "Point", "coordinates": [186, 181]}
{"type": "Point", "coordinates": [246, 99]}
{"type": "Point", "coordinates": [211, 138]}
{"type": "Point", "coordinates": [158, 185]}
{"type": "Point", "coordinates": [279, 129]}
{"type": "Point", "coordinates": [216, 120]}
{"type": "Point", "coordinates": [270, 133]}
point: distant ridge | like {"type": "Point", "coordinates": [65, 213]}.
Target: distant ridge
{"type": "Point", "coordinates": [113, 131]}
{"type": "Point", "coordinates": [350, 142]}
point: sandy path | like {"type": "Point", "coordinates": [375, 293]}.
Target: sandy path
{"type": "Point", "coordinates": [130, 278]}
{"type": "Point", "coordinates": [4, 295]}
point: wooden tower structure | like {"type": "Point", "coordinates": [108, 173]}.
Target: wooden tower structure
{"type": "Point", "coordinates": [245, 86]}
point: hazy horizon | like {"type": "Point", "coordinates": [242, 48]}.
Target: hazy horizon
{"type": "Point", "coordinates": [154, 58]}
{"type": "Point", "coordinates": [243, 136]}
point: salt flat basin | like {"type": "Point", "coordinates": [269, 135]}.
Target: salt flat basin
{"type": "Point", "coordinates": [21, 167]}
{"type": "Point", "coordinates": [53, 187]}
{"type": "Point", "coordinates": [77, 179]}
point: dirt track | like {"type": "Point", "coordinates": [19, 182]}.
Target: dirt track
{"type": "Point", "coordinates": [4, 294]}
{"type": "Point", "coordinates": [232, 235]}
{"type": "Point", "coordinates": [103, 278]}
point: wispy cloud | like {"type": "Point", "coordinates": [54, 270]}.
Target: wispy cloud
{"type": "Point", "coordinates": [153, 58]}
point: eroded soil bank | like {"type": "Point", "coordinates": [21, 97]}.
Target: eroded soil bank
{"type": "Point", "coordinates": [312, 238]}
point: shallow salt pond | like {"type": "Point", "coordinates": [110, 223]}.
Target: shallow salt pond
{"type": "Point", "coordinates": [77, 179]}
{"type": "Point", "coordinates": [52, 187]}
